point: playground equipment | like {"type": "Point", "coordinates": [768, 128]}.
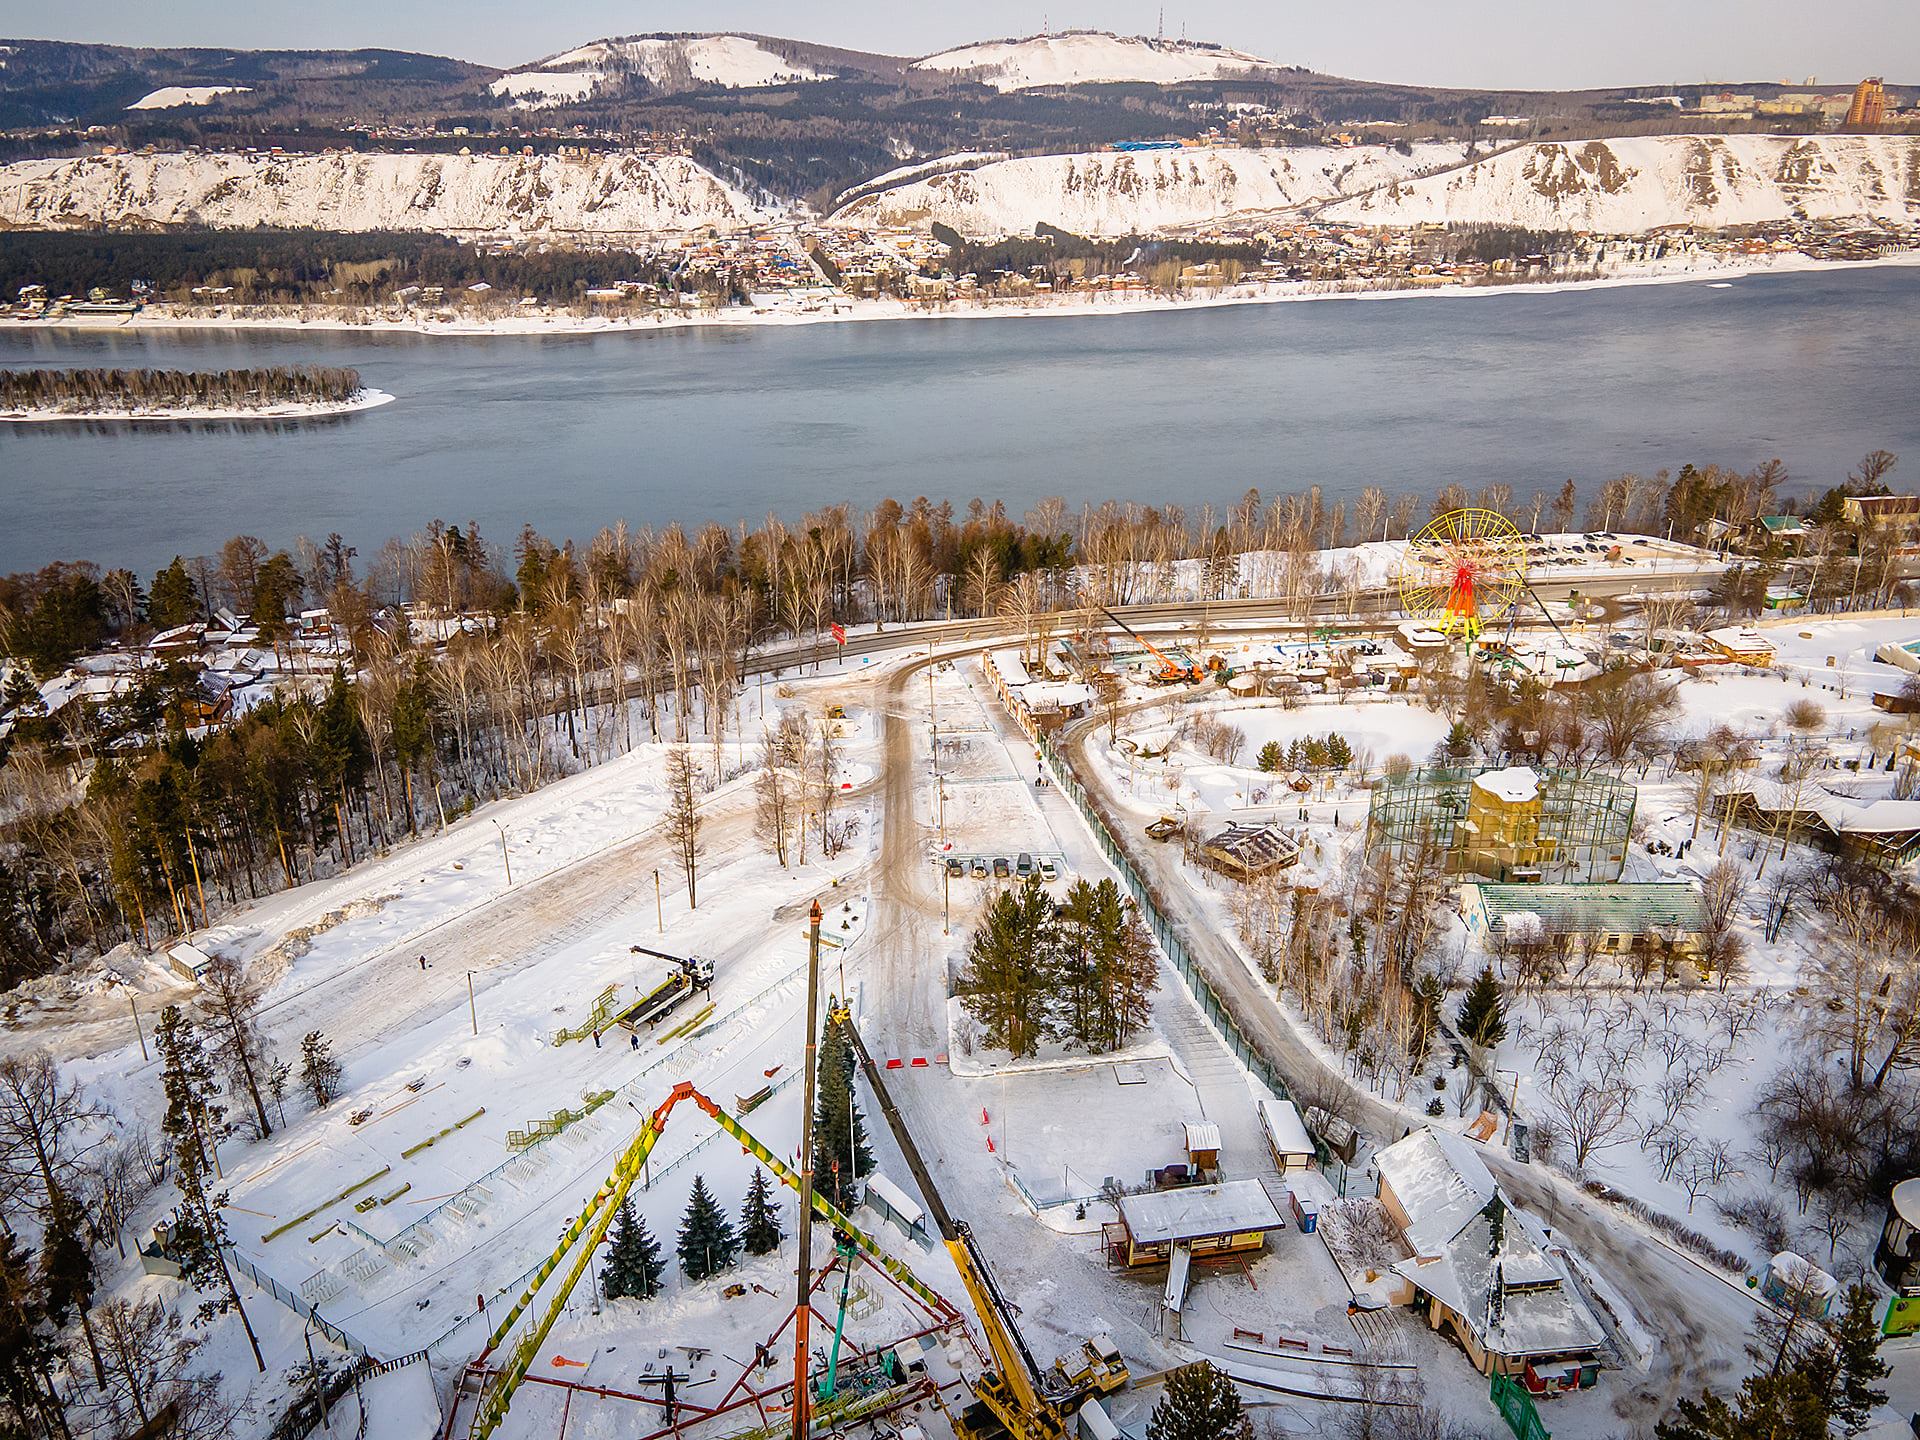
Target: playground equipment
{"type": "Point", "coordinates": [1016, 1398]}
{"type": "Point", "coordinates": [536, 1131]}
{"type": "Point", "coordinates": [691, 973]}
{"type": "Point", "coordinates": [1172, 672]}
{"type": "Point", "coordinates": [589, 1228]}
{"type": "Point", "coordinates": [597, 1019]}
{"type": "Point", "coordinates": [1462, 570]}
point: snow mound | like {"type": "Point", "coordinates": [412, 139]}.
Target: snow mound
{"type": "Point", "coordinates": [171, 97]}
{"type": "Point", "coordinates": [1089, 57]}
{"type": "Point", "coordinates": [1646, 181]}
{"type": "Point", "coordinates": [1108, 193]}
{"type": "Point", "coordinates": [666, 63]}
{"type": "Point", "coordinates": [346, 191]}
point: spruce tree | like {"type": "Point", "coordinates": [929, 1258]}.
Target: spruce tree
{"type": "Point", "coordinates": [319, 1071]}
{"type": "Point", "coordinates": [1011, 970]}
{"type": "Point", "coordinates": [1483, 1013]}
{"type": "Point", "coordinates": [1199, 1403]}
{"type": "Point", "coordinates": [707, 1242]}
{"type": "Point", "coordinates": [1856, 1346]}
{"type": "Point", "coordinates": [759, 1221]}
{"type": "Point", "coordinates": [841, 1155]}
{"type": "Point", "coordinates": [29, 1346]}
{"type": "Point", "coordinates": [634, 1266]}
{"type": "Point", "coordinates": [1339, 752]}
{"type": "Point", "coordinates": [1272, 757]}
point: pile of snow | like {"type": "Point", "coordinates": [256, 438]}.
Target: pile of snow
{"type": "Point", "coordinates": [733, 61]}
{"type": "Point", "coordinates": [345, 191]}
{"type": "Point", "coordinates": [1134, 193]}
{"type": "Point", "coordinates": [171, 97]}
{"type": "Point", "coordinates": [1089, 57]}
{"type": "Point", "coordinates": [1646, 181]}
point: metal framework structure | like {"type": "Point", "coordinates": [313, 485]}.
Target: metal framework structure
{"type": "Point", "coordinates": [591, 1225]}
{"type": "Point", "coordinates": [1464, 570]}
{"type": "Point", "coordinates": [1587, 816]}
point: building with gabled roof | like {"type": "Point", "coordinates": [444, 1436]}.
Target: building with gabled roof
{"type": "Point", "coordinates": [1484, 1271]}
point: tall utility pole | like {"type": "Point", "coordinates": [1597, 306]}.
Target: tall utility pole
{"type": "Point", "coordinates": [803, 1271]}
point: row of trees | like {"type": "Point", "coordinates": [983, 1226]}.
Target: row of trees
{"type": "Point", "coordinates": [1081, 972]}
{"type": "Point", "coordinates": [102, 391]}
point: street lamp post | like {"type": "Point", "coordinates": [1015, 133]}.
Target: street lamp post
{"type": "Point", "coordinates": [505, 859]}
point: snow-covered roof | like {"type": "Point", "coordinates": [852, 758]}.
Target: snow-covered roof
{"type": "Point", "coordinates": [1742, 639]}
{"type": "Point", "coordinates": [1802, 1274]}
{"type": "Point", "coordinates": [1440, 1184]}
{"type": "Point", "coordinates": [1626, 908]}
{"type": "Point", "coordinates": [1012, 669]}
{"type": "Point", "coordinates": [1499, 1276]}
{"type": "Point", "coordinates": [1285, 1128]}
{"type": "Point", "coordinates": [895, 1199]}
{"type": "Point", "coordinates": [1201, 1135]}
{"type": "Point", "coordinates": [1515, 785]}
{"type": "Point", "coordinates": [1194, 1212]}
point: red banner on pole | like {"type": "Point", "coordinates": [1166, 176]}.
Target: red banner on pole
{"type": "Point", "coordinates": [839, 634]}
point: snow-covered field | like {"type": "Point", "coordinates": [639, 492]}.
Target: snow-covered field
{"type": "Point", "coordinates": [172, 97]}
{"type": "Point", "coordinates": [1090, 57]}
{"type": "Point", "coordinates": [1639, 182]}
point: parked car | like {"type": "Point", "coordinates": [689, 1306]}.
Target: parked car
{"type": "Point", "coordinates": [956, 868]}
{"type": "Point", "coordinates": [1047, 871]}
{"type": "Point", "coordinates": [1023, 867]}
{"type": "Point", "coordinates": [979, 868]}
{"type": "Point", "coordinates": [1001, 870]}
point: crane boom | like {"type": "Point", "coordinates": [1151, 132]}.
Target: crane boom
{"type": "Point", "coordinates": [1169, 669]}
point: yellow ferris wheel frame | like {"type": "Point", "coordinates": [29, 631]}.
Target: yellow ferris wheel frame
{"type": "Point", "coordinates": [1463, 569]}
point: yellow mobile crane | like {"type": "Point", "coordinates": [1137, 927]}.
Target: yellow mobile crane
{"type": "Point", "coordinates": [1017, 1398]}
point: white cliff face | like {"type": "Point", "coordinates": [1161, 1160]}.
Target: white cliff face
{"type": "Point", "coordinates": [1090, 58]}
{"type": "Point", "coordinates": [609, 194]}
{"type": "Point", "coordinates": [1644, 182]}
{"type": "Point", "coordinates": [1112, 193]}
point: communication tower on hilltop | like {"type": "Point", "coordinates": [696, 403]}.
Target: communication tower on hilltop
{"type": "Point", "coordinates": [1869, 105]}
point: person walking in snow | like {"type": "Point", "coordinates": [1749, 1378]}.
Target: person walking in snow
{"type": "Point", "coordinates": [423, 962]}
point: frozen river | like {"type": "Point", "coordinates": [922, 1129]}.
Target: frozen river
{"type": "Point", "coordinates": [1185, 406]}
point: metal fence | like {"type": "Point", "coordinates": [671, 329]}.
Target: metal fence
{"type": "Point", "coordinates": [1164, 931]}
{"type": "Point", "coordinates": [345, 1339]}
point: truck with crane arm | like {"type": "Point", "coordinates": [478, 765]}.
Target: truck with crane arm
{"type": "Point", "coordinates": [690, 973]}
{"type": "Point", "coordinates": [1171, 672]}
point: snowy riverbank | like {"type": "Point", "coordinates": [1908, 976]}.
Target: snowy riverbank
{"type": "Point", "coordinates": [562, 322]}
{"type": "Point", "coordinates": [365, 400]}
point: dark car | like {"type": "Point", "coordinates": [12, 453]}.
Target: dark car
{"type": "Point", "coordinates": [1001, 870]}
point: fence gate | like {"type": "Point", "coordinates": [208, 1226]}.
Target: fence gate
{"type": "Point", "coordinates": [1517, 1408]}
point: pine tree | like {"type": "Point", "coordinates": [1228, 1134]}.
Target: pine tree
{"type": "Point", "coordinates": [1199, 1403]}
{"type": "Point", "coordinates": [198, 1239]}
{"type": "Point", "coordinates": [707, 1242]}
{"type": "Point", "coordinates": [759, 1221]}
{"type": "Point", "coordinates": [841, 1155]}
{"type": "Point", "coordinates": [1272, 757]}
{"type": "Point", "coordinates": [1856, 1346]}
{"type": "Point", "coordinates": [319, 1071]}
{"type": "Point", "coordinates": [1339, 752]}
{"type": "Point", "coordinates": [28, 1346]}
{"type": "Point", "coordinates": [174, 599]}
{"type": "Point", "coordinates": [1483, 1013]}
{"type": "Point", "coordinates": [66, 1271]}
{"type": "Point", "coordinates": [634, 1266]}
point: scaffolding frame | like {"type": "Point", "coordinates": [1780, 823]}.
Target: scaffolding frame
{"type": "Point", "coordinates": [1587, 814]}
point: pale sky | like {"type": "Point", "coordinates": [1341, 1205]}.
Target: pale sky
{"type": "Point", "coordinates": [1550, 44]}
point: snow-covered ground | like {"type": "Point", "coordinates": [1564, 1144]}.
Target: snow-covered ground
{"type": "Point", "coordinates": [665, 62]}
{"type": "Point", "coordinates": [172, 97]}
{"type": "Point", "coordinates": [366, 400]}
{"type": "Point", "coordinates": [1089, 57]}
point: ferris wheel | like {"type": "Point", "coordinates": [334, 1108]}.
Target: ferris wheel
{"type": "Point", "coordinates": [1462, 570]}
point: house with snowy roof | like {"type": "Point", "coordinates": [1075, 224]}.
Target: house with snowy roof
{"type": "Point", "coordinates": [1483, 1271]}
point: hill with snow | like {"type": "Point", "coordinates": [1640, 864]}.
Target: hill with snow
{"type": "Point", "coordinates": [1125, 194]}
{"type": "Point", "coordinates": [666, 63]}
{"type": "Point", "coordinates": [1642, 182]}
{"type": "Point", "coordinates": [1089, 57]}
{"type": "Point", "coordinates": [172, 97]}
{"type": "Point", "coordinates": [453, 194]}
